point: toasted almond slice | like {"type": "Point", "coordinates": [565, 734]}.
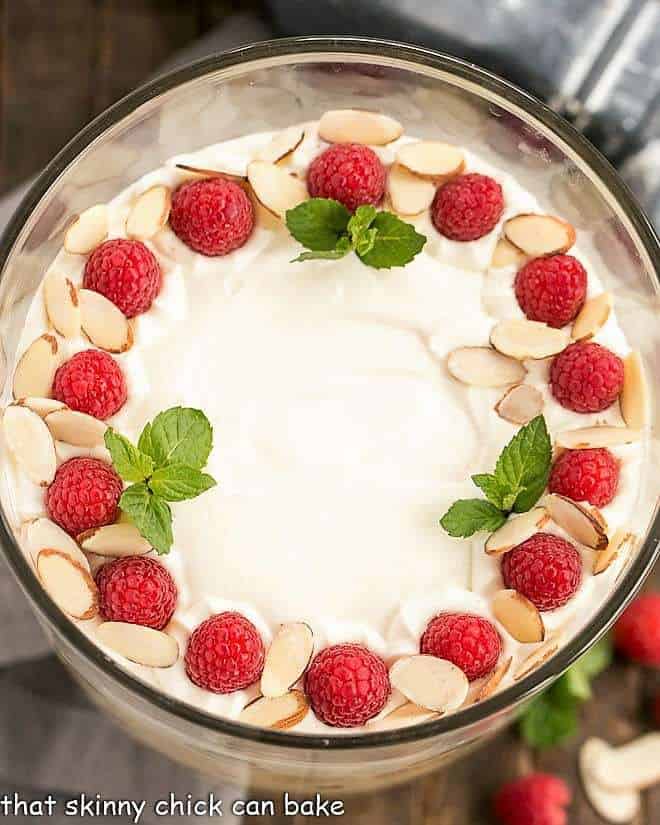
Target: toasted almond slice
{"type": "Point", "coordinates": [578, 522]}
{"type": "Point", "coordinates": [612, 806]}
{"type": "Point", "coordinates": [409, 194]}
{"type": "Point", "coordinates": [520, 404]}
{"type": "Point", "coordinates": [42, 533]}
{"type": "Point", "coordinates": [519, 617]}
{"type": "Point", "coordinates": [211, 173]}
{"type": "Point", "coordinates": [431, 683]}
{"type": "Point", "coordinates": [592, 317]}
{"type": "Point", "coordinates": [280, 713]}
{"type": "Point", "coordinates": [516, 530]}
{"type": "Point", "coordinates": [522, 339]}
{"type": "Point", "coordinates": [62, 307]}
{"type": "Point", "coordinates": [484, 367]}
{"type": "Point", "coordinates": [274, 188]}
{"type": "Point", "coordinates": [635, 395]}
{"type": "Point", "coordinates": [287, 658]}
{"type": "Point", "coordinates": [149, 212]}
{"type": "Point", "coordinates": [493, 681]}
{"type": "Point", "coordinates": [103, 323]}
{"type": "Point", "coordinates": [36, 368]}
{"type": "Point", "coordinates": [538, 235]}
{"type": "Point", "coordinates": [31, 443]}
{"type": "Point", "coordinates": [506, 254]}
{"type": "Point", "coordinates": [68, 583]}
{"type": "Point", "coordinates": [142, 645]}
{"type": "Point", "coordinates": [282, 145]}
{"type": "Point", "coordinates": [403, 716]}
{"type": "Point", "coordinates": [75, 428]}
{"type": "Point", "coordinates": [41, 406]}
{"type": "Point", "coordinates": [621, 544]}
{"type": "Point", "coordinates": [586, 438]}
{"type": "Point", "coordinates": [631, 767]}
{"type": "Point", "coordinates": [114, 540]}
{"type": "Point", "coordinates": [537, 658]}
{"type": "Point", "coordinates": [358, 126]}
{"type": "Point", "coordinates": [87, 231]}
{"type": "Point", "coordinates": [432, 159]}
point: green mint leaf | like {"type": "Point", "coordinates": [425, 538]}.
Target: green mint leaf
{"type": "Point", "coordinates": [469, 516]}
{"type": "Point", "coordinates": [366, 242]}
{"type": "Point", "coordinates": [150, 514]}
{"type": "Point", "coordinates": [396, 242]}
{"type": "Point", "coordinates": [318, 223]}
{"type": "Point", "coordinates": [596, 660]}
{"type": "Point", "coordinates": [491, 488]}
{"type": "Point", "coordinates": [576, 684]}
{"type": "Point", "coordinates": [523, 467]}
{"type": "Point", "coordinates": [360, 222]}
{"type": "Point", "coordinates": [129, 461]}
{"type": "Point", "coordinates": [178, 482]}
{"type": "Point", "coordinates": [180, 435]}
{"type": "Point", "coordinates": [342, 248]}
{"type": "Point", "coordinates": [546, 722]}
{"type": "Point", "coordinates": [145, 445]}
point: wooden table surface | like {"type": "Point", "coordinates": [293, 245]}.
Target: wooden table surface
{"type": "Point", "coordinates": [63, 61]}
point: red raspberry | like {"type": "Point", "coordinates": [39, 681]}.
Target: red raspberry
{"type": "Point", "coordinates": [347, 685]}
{"type": "Point", "coordinates": [545, 568]}
{"type": "Point", "coordinates": [348, 173]}
{"type": "Point", "coordinates": [84, 494]}
{"type": "Point", "coordinates": [470, 642]}
{"type": "Point", "coordinates": [537, 799]}
{"type": "Point", "coordinates": [91, 382]}
{"type": "Point", "coordinates": [586, 377]}
{"type": "Point", "coordinates": [551, 289]}
{"type": "Point", "coordinates": [213, 216]}
{"type": "Point", "coordinates": [126, 272]}
{"type": "Point", "coordinates": [225, 653]}
{"type": "Point", "coordinates": [467, 207]}
{"type": "Point", "coordinates": [138, 590]}
{"type": "Point", "coordinates": [637, 633]}
{"type": "Point", "coordinates": [585, 475]}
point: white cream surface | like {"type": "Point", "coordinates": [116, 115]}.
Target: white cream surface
{"type": "Point", "coordinates": [340, 438]}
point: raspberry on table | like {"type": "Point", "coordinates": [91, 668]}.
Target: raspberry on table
{"type": "Point", "coordinates": [225, 653]}
{"type": "Point", "coordinates": [84, 494]}
{"type": "Point", "coordinates": [467, 207]}
{"type": "Point", "coordinates": [585, 475]}
{"type": "Point", "coordinates": [471, 642]}
{"type": "Point", "coordinates": [212, 216]}
{"type": "Point", "coordinates": [138, 590]}
{"type": "Point", "coordinates": [551, 289]}
{"type": "Point", "coordinates": [349, 173]}
{"type": "Point", "coordinates": [545, 568]}
{"type": "Point", "coordinates": [126, 272]}
{"type": "Point", "coordinates": [637, 633]}
{"type": "Point", "coordinates": [347, 685]}
{"type": "Point", "coordinates": [536, 799]}
{"type": "Point", "coordinates": [586, 377]}
{"type": "Point", "coordinates": [91, 382]}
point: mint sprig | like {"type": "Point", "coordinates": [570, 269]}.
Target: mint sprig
{"type": "Point", "coordinates": [520, 477]}
{"type": "Point", "coordinates": [165, 466]}
{"type": "Point", "coordinates": [328, 230]}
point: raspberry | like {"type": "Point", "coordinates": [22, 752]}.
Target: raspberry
{"type": "Point", "coordinates": [225, 653]}
{"type": "Point", "coordinates": [470, 642]}
{"type": "Point", "coordinates": [545, 568]}
{"type": "Point", "coordinates": [537, 799]}
{"type": "Point", "coordinates": [212, 216]}
{"type": "Point", "coordinates": [467, 207]}
{"type": "Point", "coordinates": [91, 382]}
{"type": "Point", "coordinates": [347, 684]}
{"type": "Point", "coordinates": [585, 475]}
{"type": "Point", "coordinates": [586, 377]}
{"type": "Point", "coordinates": [84, 494]}
{"type": "Point", "coordinates": [137, 590]}
{"type": "Point", "coordinates": [126, 272]}
{"type": "Point", "coordinates": [348, 173]}
{"type": "Point", "coordinates": [637, 633]}
{"type": "Point", "coordinates": [551, 289]}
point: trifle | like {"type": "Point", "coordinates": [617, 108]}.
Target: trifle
{"type": "Point", "coordinates": [330, 429]}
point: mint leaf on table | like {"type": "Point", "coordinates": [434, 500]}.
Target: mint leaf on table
{"type": "Point", "coordinates": [178, 482]}
{"type": "Point", "coordinates": [150, 514]}
{"type": "Point", "coordinates": [469, 516]}
{"type": "Point", "coordinates": [178, 435]}
{"type": "Point", "coordinates": [129, 462]}
{"type": "Point", "coordinates": [396, 242]}
{"type": "Point", "coordinates": [318, 223]}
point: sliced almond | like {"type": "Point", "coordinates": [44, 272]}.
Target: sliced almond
{"type": "Point", "coordinates": [635, 395]}
{"type": "Point", "coordinates": [537, 658]}
{"type": "Point", "coordinates": [282, 145]}
{"type": "Point", "coordinates": [211, 173]}
{"type": "Point", "coordinates": [68, 583]}
{"type": "Point", "coordinates": [403, 716]}
{"type": "Point", "coordinates": [275, 188]}
{"type": "Point", "coordinates": [493, 681]}
{"type": "Point", "coordinates": [506, 254]}
{"type": "Point", "coordinates": [577, 521]}
{"type": "Point", "coordinates": [519, 617]}
{"type": "Point", "coordinates": [409, 194]}
{"type": "Point", "coordinates": [87, 231]}
{"type": "Point", "coordinates": [114, 540]}
{"type": "Point", "coordinates": [103, 323]}
{"type": "Point", "coordinates": [62, 307]}
{"type": "Point", "coordinates": [520, 404]}
{"type": "Point", "coordinates": [634, 766]}
{"type": "Point", "coordinates": [287, 658]}
{"type": "Point", "coordinates": [484, 367]}
{"type": "Point", "coordinates": [75, 428]}
{"type": "Point", "coordinates": [621, 545]}
{"type": "Point", "coordinates": [42, 533]}
{"type": "Point", "coordinates": [538, 235]}
{"type": "Point", "coordinates": [612, 806]}
{"type": "Point", "coordinates": [31, 443]}
{"type": "Point", "coordinates": [592, 317]}
{"type": "Point", "coordinates": [36, 368]}
{"type": "Point", "coordinates": [149, 212]}
{"type": "Point", "coordinates": [358, 126]}
{"type": "Point", "coordinates": [586, 438]}
{"type": "Point", "coordinates": [520, 338]}
{"type": "Point", "coordinates": [432, 159]}
{"type": "Point", "coordinates": [142, 645]}
{"type": "Point", "coordinates": [280, 713]}
{"type": "Point", "coordinates": [429, 682]}
{"type": "Point", "coordinates": [516, 530]}
{"type": "Point", "coordinates": [42, 406]}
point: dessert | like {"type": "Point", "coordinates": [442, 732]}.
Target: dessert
{"type": "Point", "coordinates": [257, 400]}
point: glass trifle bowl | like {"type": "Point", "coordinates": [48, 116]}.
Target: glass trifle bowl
{"type": "Point", "coordinates": [266, 88]}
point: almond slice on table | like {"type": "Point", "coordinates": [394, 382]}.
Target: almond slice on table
{"type": "Point", "coordinates": [612, 806]}
{"type": "Point", "coordinates": [635, 395]}
{"type": "Point", "coordinates": [115, 540]}
{"type": "Point", "coordinates": [516, 530]}
{"type": "Point", "coordinates": [604, 435]}
{"type": "Point", "coordinates": [275, 188]}
{"type": "Point", "coordinates": [484, 367]}
{"type": "Point", "coordinates": [403, 716]}
{"type": "Point", "coordinates": [432, 159]}
{"type": "Point", "coordinates": [592, 317]}
{"type": "Point", "coordinates": [358, 126]}
{"type": "Point", "coordinates": [538, 657]}
{"type": "Point", "coordinates": [280, 712]}
{"type": "Point", "coordinates": [577, 521]}
{"type": "Point", "coordinates": [31, 443]}
{"type": "Point", "coordinates": [506, 254]}
{"type": "Point", "coordinates": [62, 305]}
{"type": "Point", "coordinates": [287, 658]}
{"type": "Point", "coordinates": [409, 194]}
{"type": "Point", "coordinates": [41, 406]}
{"type": "Point", "coordinates": [211, 173]}
{"type": "Point", "coordinates": [630, 767]}
{"type": "Point", "coordinates": [520, 404]}
{"type": "Point", "coordinates": [429, 682]}
{"type": "Point", "coordinates": [519, 617]}
{"type": "Point", "coordinates": [68, 583]}
{"type": "Point", "coordinates": [76, 428]}
{"type": "Point", "coordinates": [520, 339]}
{"type": "Point", "coordinates": [42, 533]}
{"type": "Point", "coordinates": [538, 235]}
{"type": "Point", "coordinates": [149, 212]}
{"type": "Point", "coordinates": [103, 323]}
{"type": "Point", "coordinates": [493, 681]}
{"type": "Point", "coordinates": [142, 645]}
{"type": "Point", "coordinates": [621, 545]}
{"type": "Point", "coordinates": [36, 368]}
{"type": "Point", "coordinates": [87, 231]}
{"type": "Point", "coordinates": [282, 145]}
